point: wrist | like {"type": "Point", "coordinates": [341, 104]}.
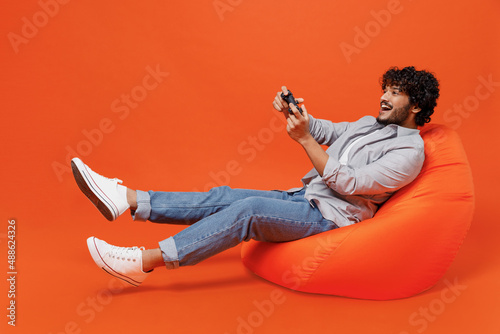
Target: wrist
{"type": "Point", "coordinates": [306, 140]}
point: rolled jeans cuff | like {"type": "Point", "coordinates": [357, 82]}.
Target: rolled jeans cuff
{"type": "Point", "coordinates": [143, 210]}
{"type": "Point", "coordinates": [169, 253]}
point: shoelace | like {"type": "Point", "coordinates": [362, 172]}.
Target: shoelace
{"type": "Point", "coordinates": [125, 253]}
{"type": "Point", "coordinates": [105, 178]}
{"type": "Point", "coordinates": [109, 179]}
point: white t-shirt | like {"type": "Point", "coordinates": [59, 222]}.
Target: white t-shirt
{"type": "Point", "coordinates": [343, 158]}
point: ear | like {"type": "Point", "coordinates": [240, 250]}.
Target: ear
{"type": "Point", "coordinates": [416, 109]}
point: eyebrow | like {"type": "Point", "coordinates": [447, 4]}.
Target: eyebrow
{"type": "Point", "coordinates": [398, 88]}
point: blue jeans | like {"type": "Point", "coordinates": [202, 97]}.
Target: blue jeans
{"type": "Point", "coordinates": [224, 217]}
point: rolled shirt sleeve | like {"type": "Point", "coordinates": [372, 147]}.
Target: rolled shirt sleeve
{"type": "Point", "coordinates": [391, 172]}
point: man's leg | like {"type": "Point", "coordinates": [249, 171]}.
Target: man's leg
{"type": "Point", "coordinates": [187, 208]}
{"type": "Point", "coordinates": [132, 199]}
{"type": "Point", "coordinates": [112, 199]}
{"type": "Point", "coordinates": [152, 258]}
{"type": "Point", "coordinates": [263, 219]}
{"type": "Point", "coordinates": [258, 218]}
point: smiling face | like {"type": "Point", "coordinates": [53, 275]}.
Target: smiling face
{"type": "Point", "coordinates": [395, 108]}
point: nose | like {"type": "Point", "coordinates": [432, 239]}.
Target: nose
{"type": "Point", "coordinates": [384, 98]}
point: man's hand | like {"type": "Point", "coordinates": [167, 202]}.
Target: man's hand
{"type": "Point", "coordinates": [298, 129]}
{"type": "Point", "coordinates": [280, 104]}
{"type": "Point", "coordinates": [298, 125]}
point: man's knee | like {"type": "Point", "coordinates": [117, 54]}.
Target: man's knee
{"type": "Point", "coordinates": [220, 189]}
{"type": "Point", "coordinates": [255, 203]}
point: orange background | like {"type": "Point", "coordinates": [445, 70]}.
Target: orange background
{"type": "Point", "coordinates": [210, 122]}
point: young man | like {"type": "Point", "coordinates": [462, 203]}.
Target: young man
{"type": "Point", "coordinates": [365, 163]}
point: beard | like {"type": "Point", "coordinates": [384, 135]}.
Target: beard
{"type": "Point", "coordinates": [398, 116]}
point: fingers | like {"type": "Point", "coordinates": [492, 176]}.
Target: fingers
{"type": "Point", "coordinates": [295, 111]}
{"type": "Point", "coordinates": [297, 125]}
{"type": "Point", "coordinates": [304, 111]}
{"type": "Point", "coordinates": [278, 103]}
{"type": "Point", "coordinates": [297, 119]}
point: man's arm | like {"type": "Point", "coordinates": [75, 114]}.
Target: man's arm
{"type": "Point", "coordinates": [298, 129]}
{"type": "Point", "coordinates": [324, 132]}
{"type": "Point", "coordinates": [391, 172]}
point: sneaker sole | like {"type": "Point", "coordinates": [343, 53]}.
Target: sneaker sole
{"type": "Point", "coordinates": [96, 256]}
{"type": "Point", "coordinates": [91, 190]}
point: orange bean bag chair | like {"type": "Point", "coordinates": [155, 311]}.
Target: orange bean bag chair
{"type": "Point", "coordinates": [403, 250]}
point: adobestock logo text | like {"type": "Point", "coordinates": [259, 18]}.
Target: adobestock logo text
{"type": "Point", "coordinates": [32, 25]}
{"type": "Point", "coordinates": [121, 108]}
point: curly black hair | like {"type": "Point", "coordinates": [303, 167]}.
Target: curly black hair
{"type": "Point", "coordinates": [422, 87]}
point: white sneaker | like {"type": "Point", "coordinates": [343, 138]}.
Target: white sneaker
{"type": "Point", "coordinates": [109, 197]}
{"type": "Point", "coordinates": [124, 263]}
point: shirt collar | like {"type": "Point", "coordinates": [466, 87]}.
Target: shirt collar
{"type": "Point", "coordinates": [400, 130]}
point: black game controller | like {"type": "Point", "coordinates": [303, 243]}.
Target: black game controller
{"type": "Point", "coordinates": [291, 100]}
